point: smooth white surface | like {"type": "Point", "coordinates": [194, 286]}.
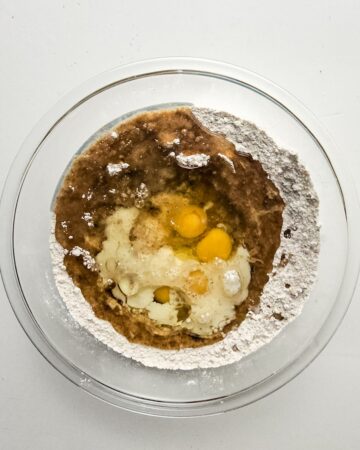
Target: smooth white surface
{"type": "Point", "coordinates": [310, 48]}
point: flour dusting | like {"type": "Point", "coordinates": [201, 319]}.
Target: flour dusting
{"type": "Point", "coordinates": [88, 261]}
{"type": "Point", "coordinates": [192, 161]}
{"type": "Point", "coordinates": [295, 262]}
{"type": "Point", "coordinates": [114, 169]}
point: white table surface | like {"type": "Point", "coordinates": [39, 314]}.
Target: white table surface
{"type": "Point", "coordinates": [311, 48]}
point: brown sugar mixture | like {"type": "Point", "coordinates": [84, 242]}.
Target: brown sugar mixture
{"type": "Point", "coordinates": [176, 206]}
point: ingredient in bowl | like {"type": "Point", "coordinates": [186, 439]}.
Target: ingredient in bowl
{"type": "Point", "coordinates": [284, 293]}
{"type": "Point", "coordinates": [216, 244]}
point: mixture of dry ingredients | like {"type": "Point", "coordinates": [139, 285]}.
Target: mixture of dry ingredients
{"type": "Point", "coordinates": [185, 238]}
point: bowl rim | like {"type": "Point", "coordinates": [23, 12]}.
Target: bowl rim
{"type": "Point", "coordinates": [151, 67]}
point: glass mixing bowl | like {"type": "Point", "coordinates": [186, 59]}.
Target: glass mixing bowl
{"type": "Point", "coordinates": [25, 223]}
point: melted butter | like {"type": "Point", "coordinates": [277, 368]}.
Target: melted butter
{"type": "Point", "coordinates": [198, 301]}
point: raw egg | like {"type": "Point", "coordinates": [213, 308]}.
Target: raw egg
{"type": "Point", "coordinates": [190, 221]}
{"type": "Point", "coordinates": [216, 244]}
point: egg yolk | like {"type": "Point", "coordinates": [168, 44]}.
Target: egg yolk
{"type": "Point", "coordinates": [190, 221]}
{"type": "Point", "coordinates": [162, 294]}
{"type": "Point", "coordinates": [216, 244]}
{"type": "Point", "coordinates": [198, 282]}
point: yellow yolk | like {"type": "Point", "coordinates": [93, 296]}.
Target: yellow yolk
{"type": "Point", "coordinates": [198, 282]}
{"type": "Point", "coordinates": [190, 221]}
{"type": "Point", "coordinates": [216, 244]}
{"type": "Point", "coordinates": [162, 294]}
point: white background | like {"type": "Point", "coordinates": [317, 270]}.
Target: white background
{"type": "Point", "coordinates": [311, 48]}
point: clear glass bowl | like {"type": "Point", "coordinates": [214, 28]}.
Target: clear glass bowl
{"type": "Point", "coordinates": [25, 222]}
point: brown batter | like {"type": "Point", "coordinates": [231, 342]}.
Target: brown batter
{"type": "Point", "coordinates": [247, 201]}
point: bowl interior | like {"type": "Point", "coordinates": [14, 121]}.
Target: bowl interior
{"type": "Point", "coordinates": [92, 363]}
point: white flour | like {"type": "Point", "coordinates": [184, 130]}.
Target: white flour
{"type": "Point", "coordinates": [88, 261]}
{"type": "Point", "coordinates": [192, 161]}
{"type": "Point", "coordinates": [114, 169]}
{"type": "Point", "coordinates": [283, 296]}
